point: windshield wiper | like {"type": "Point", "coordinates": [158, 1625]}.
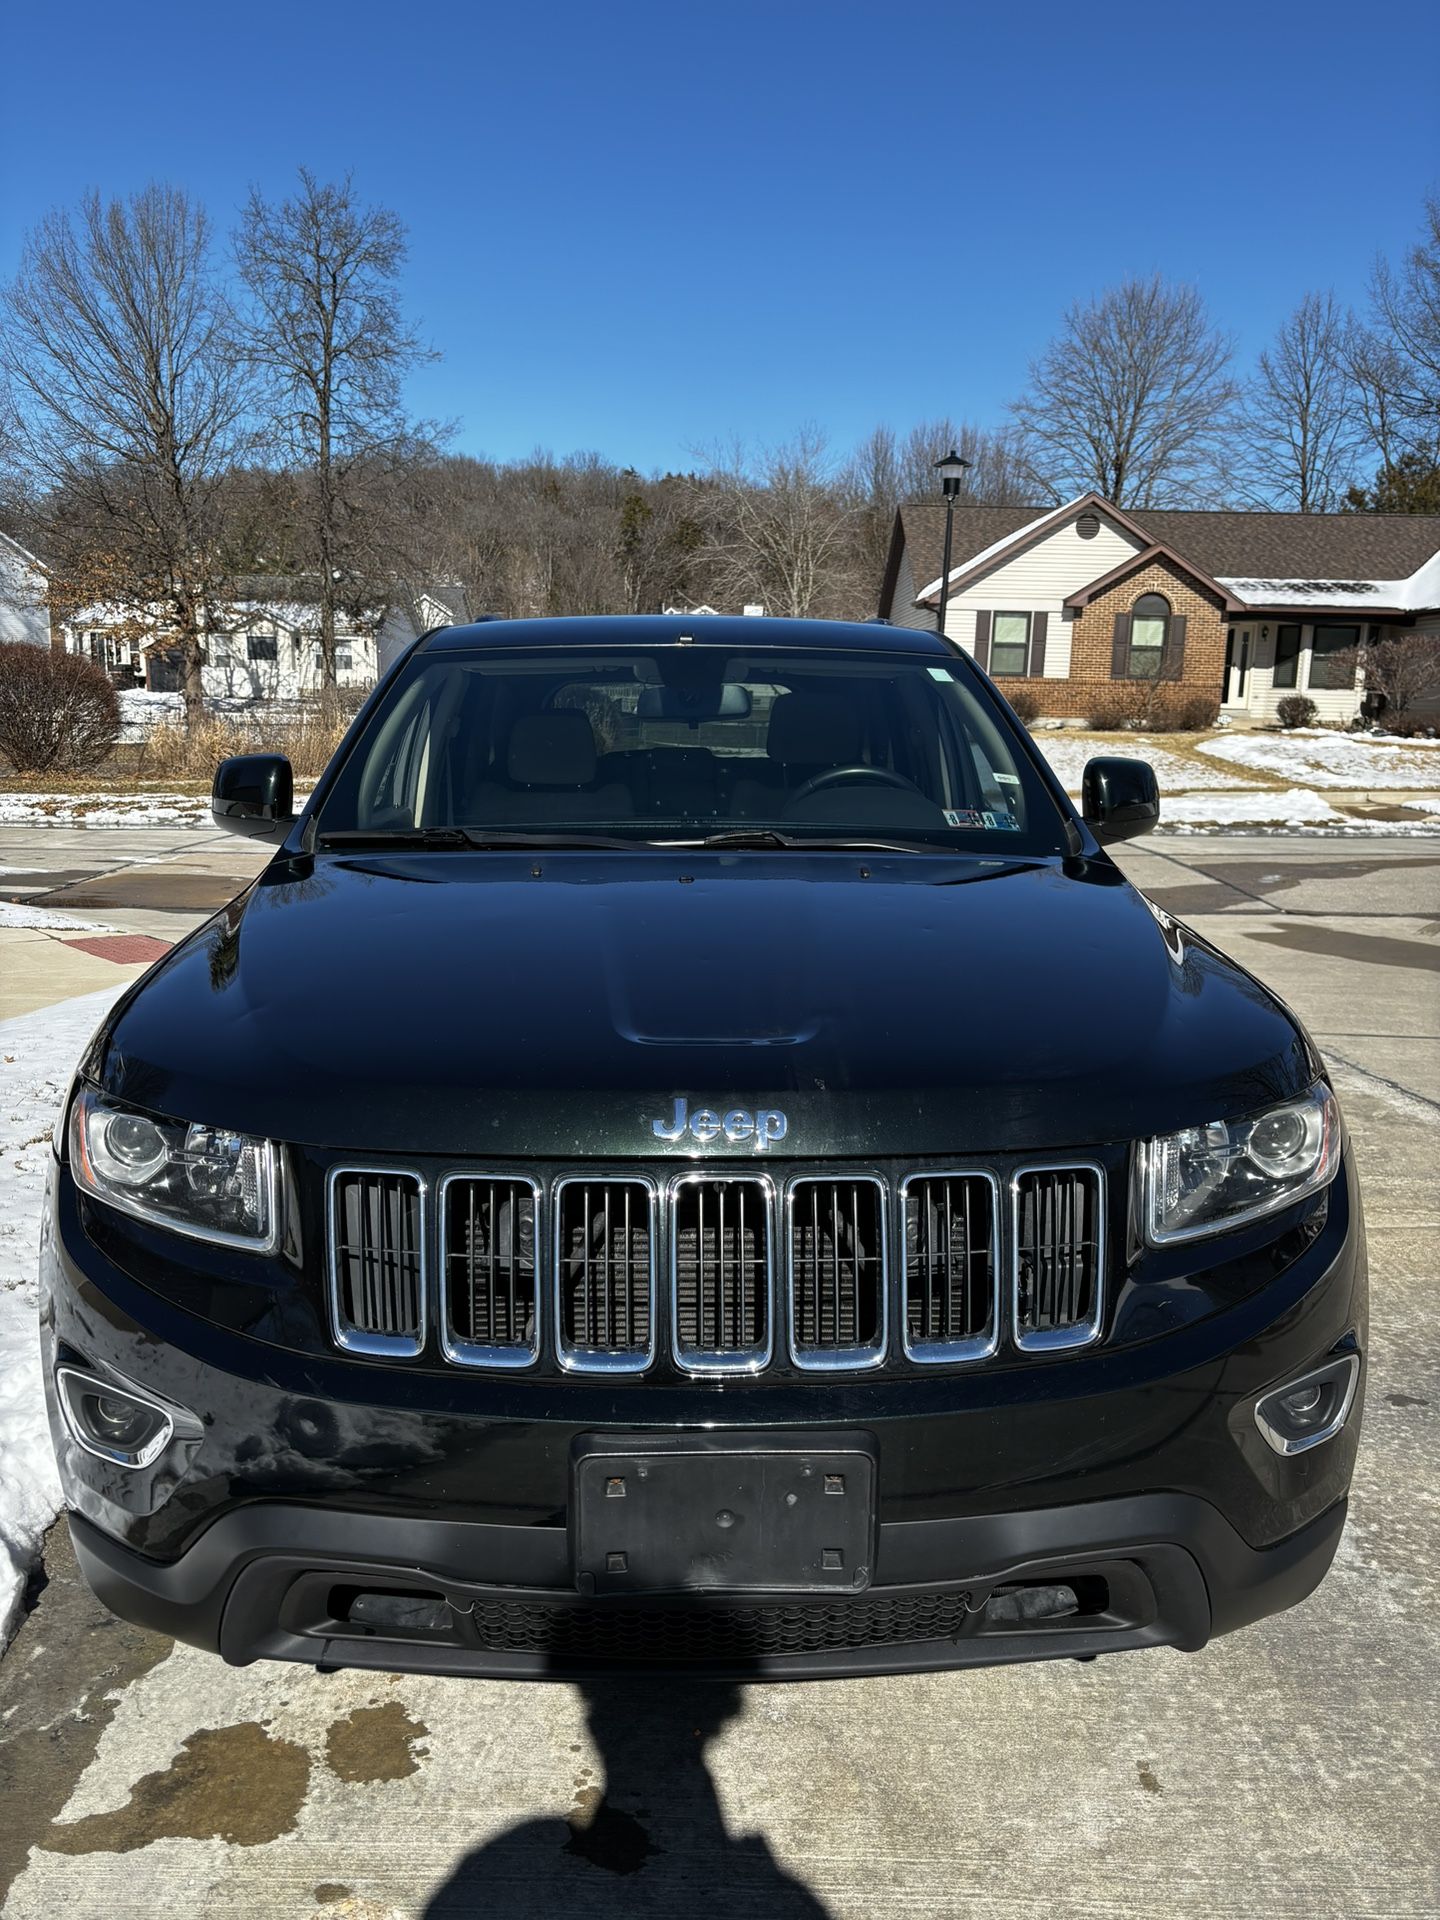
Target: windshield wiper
{"type": "Point", "coordinates": [395, 837]}
{"type": "Point", "coordinates": [742, 838]}
{"type": "Point", "coordinates": [483, 838]}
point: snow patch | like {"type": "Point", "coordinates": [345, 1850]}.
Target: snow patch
{"type": "Point", "coordinates": [38, 1053]}
{"type": "Point", "coordinates": [103, 809]}
{"type": "Point", "coordinates": [16, 914]}
{"type": "Point", "coordinates": [1175, 773]}
{"type": "Point", "coordinates": [1320, 759]}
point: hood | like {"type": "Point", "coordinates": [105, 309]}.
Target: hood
{"type": "Point", "coordinates": [556, 1005]}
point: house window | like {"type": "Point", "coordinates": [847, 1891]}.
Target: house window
{"type": "Point", "coordinates": [344, 660]}
{"type": "Point", "coordinates": [1287, 656]}
{"type": "Point", "coordinates": [1326, 671]}
{"type": "Point", "coordinates": [1149, 621]}
{"type": "Point", "coordinates": [1009, 645]}
{"type": "Point", "coordinates": [262, 646]}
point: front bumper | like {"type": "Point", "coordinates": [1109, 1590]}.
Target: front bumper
{"type": "Point", "coordinates": [1132, 1475]}
{"type": "Point", "coordinates": [281, 1583]}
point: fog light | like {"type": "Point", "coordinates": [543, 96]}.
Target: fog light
{"type": "Point", "coordinates": [1313, 1408]}
{"type": "Point", "coordinates": [112, 1423]}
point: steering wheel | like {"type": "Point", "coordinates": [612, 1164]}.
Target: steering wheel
{"type": "Point", "coordinates": [861, 770]}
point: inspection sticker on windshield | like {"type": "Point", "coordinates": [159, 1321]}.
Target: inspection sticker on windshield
{"type": "Point", "coordinates": [971, 817]}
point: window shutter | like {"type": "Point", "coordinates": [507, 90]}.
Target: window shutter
{"type": "Point", "coordinates": [1172, 659]}
{"type": "Point", "coordinates": [1038, 623]}
{"type": "Point", "coordinates": [982, 639]}
{"type": "Point", "coordinates": [1120, 651]}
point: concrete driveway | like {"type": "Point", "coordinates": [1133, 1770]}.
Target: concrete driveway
{"type": "Point", "coordinates": [1287, 1770]}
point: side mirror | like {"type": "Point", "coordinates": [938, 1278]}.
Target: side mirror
{"type": "Point", "coordinates": [1119, 798]}
{"type": "Point", "coordinates": [254, 794]}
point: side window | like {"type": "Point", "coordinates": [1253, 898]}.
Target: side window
{"type": "Point", "coordinates": [395, 776]}
{"type": "Point", "coordinates": [1287, 656]}
{"type": "Point", "coordinates": [1009, 645]}
{"type": "Point", "coordinates": [1148, 622]}
{"type": "Point", "coordinates": [1329, 666]}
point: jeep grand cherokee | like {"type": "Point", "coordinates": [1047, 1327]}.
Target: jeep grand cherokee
{"type": "Point", "coordinates": [692, 1155]}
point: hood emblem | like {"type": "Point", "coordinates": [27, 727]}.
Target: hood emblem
{"type": "Point", "coordinates": [705, 1125]}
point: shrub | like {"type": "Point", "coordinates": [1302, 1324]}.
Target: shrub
{"type": "Point", "coordinates": [1026, 705]}
{"type": "Point", "coordinates": [58, 712]}
{"type": "Point", "coordinates": [1197, 713]}
{"type": "Point", "coordinates": [1295, 710]}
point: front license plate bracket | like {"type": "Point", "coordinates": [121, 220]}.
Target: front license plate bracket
{"type": "Point", "coordinates": [723, 1513]}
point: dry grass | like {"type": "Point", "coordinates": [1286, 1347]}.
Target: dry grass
{"type": "Point", "coordinates": [307, 739]}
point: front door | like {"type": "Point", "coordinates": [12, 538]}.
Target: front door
{"type": "Point", "coordinates": [1237, 667]}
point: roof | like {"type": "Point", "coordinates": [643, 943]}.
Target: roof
{"type": "Point", "coordinates": [9, 540]}
{"type": "Point", "coordinates": [1259, 558]}
{"type": "Point", "coordinates": [742, 632]}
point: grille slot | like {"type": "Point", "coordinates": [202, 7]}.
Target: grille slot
{"type": "Point", "coordinates": [837, 1272]}
{"type": "Point", "coordinates": [698, 1636]}
{"type": "Point", "coordinates": [605, 1274]}
{"type": "Point", "coordinates": [488, 1236]}
{"type": "Point", "coordinates": [951, 1266]}
{"type": "Point", "coordinates": [377, 1265]}
{"type": "Point", "coordinates": [720, 1259]}
{"type": "Point", "coordinates": [1059, 1238]}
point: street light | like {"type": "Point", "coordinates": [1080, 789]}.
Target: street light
{"type": "Point", "coordinates": [952, 470]}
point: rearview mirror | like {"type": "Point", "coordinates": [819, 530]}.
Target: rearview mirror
{"type": "Point", "coordinates": [1119, 798]}
{"type": "Point", "coordinates": [727, 702]}
{"type": "Point", "coordinates": [254, 795]}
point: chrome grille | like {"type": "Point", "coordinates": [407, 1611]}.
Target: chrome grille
{"type": "Point", "coordinates": [377, 1266]}
{"type": "Point", "coordinates": [720, 1264]}
{"type": "Point", "coordinates": [1057, 1236]}
{"type": "Point", "coordinates": [952, 1266]}
{"type": "Point", "coordinates": [605, 1274]}
{"type": "Point", "coordinates": [837, 1272]}
{"type": "Point", "coordinates": [489, 1296]}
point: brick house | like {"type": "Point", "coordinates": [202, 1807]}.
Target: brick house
{"type": "Point", "coordinates": [1087, 604]}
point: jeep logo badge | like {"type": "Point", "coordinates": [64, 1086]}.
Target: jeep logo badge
{"type": "Point", "coordinates": [736, 1126]}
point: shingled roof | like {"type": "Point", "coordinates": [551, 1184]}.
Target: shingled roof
{"type": "Point", "coordinates": [1226, 545]}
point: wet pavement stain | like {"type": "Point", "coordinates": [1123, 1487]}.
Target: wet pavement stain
{"type": "Point", "coordinates": [330, 1891]}
{"type": "Point", "coordinates": [1405, 1400]}
{"type": "Point", "coordinates": [1371, 949]}
{"type": "Point", "coordinates": [165, 892]}
{"type": "Point", "coordinates": [1149, 1779]}
{"type": "Point", "coordinates": [604, 1836]}
{"type": "Point", "coordinates": [238, 1784]}
{"type": "Point", "coordinates": [374, 1743]}
{"type": "Point", "coordinates": [1253, 876]}
{"type": "Point", "coordinates": [53, 1711]}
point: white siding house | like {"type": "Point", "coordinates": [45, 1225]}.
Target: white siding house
{"type": "Point", "coordinates": [24, 609]}
{"type": "Point", "coordinates": [263, 648]}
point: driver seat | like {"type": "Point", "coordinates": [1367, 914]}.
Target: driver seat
{"type": "Point", "coordinates": [810, 731]}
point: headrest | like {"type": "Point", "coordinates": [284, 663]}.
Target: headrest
{"type": "Point", "coordinates": [813, 729]}
{"type": "Point", "coordinates": [552, 750]}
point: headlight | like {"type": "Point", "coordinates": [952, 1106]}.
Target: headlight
{"type": "Point", "coordinates": [203, 1181]}
{"type": "Point", "coordinates": [1209, 1178]}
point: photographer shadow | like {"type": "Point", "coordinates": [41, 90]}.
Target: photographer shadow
{"type": "Point", "coordinates": [648, 1837]}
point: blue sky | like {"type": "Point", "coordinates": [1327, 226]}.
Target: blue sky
{"type": "Point", "coordinates": [649, 228]}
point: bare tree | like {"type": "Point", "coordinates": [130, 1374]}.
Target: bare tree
{"type": "Point", "coordinates": [1403, 670]}
{"type": "Point", "coordinates": [1131, 399]}
{"type": "Point", "coordinates": [1299, 427]}
{"type": "Point", "coordinates": [325, 333]}
{"type": "Point", "coordinates": [1394, 364]}
{"type": "Point", "coordinates": [127, 409]}
{"type": "Point", "coordinates": [778, 530]}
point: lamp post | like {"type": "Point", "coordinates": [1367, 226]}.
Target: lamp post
{"type": "Point", "coordinates": [952, 470]}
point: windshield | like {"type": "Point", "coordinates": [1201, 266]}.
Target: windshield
{"type": "Point", "coordinates": [690, 743]}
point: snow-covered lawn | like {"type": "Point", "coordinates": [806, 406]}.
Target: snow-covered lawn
{"type": "Point", "coordinates": [104, 809]}
{"type": "Point", "coordinates": [1193, 813]}
{"type": "Point", "coordinates": [1316, 758]}
{"type": "Point", "coordinates": [38, 1052]}
{"type": "Point", "coordinates": [1068, 752]}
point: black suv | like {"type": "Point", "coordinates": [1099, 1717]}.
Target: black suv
{"type": "Point", "coordinates": [691, 1155]}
